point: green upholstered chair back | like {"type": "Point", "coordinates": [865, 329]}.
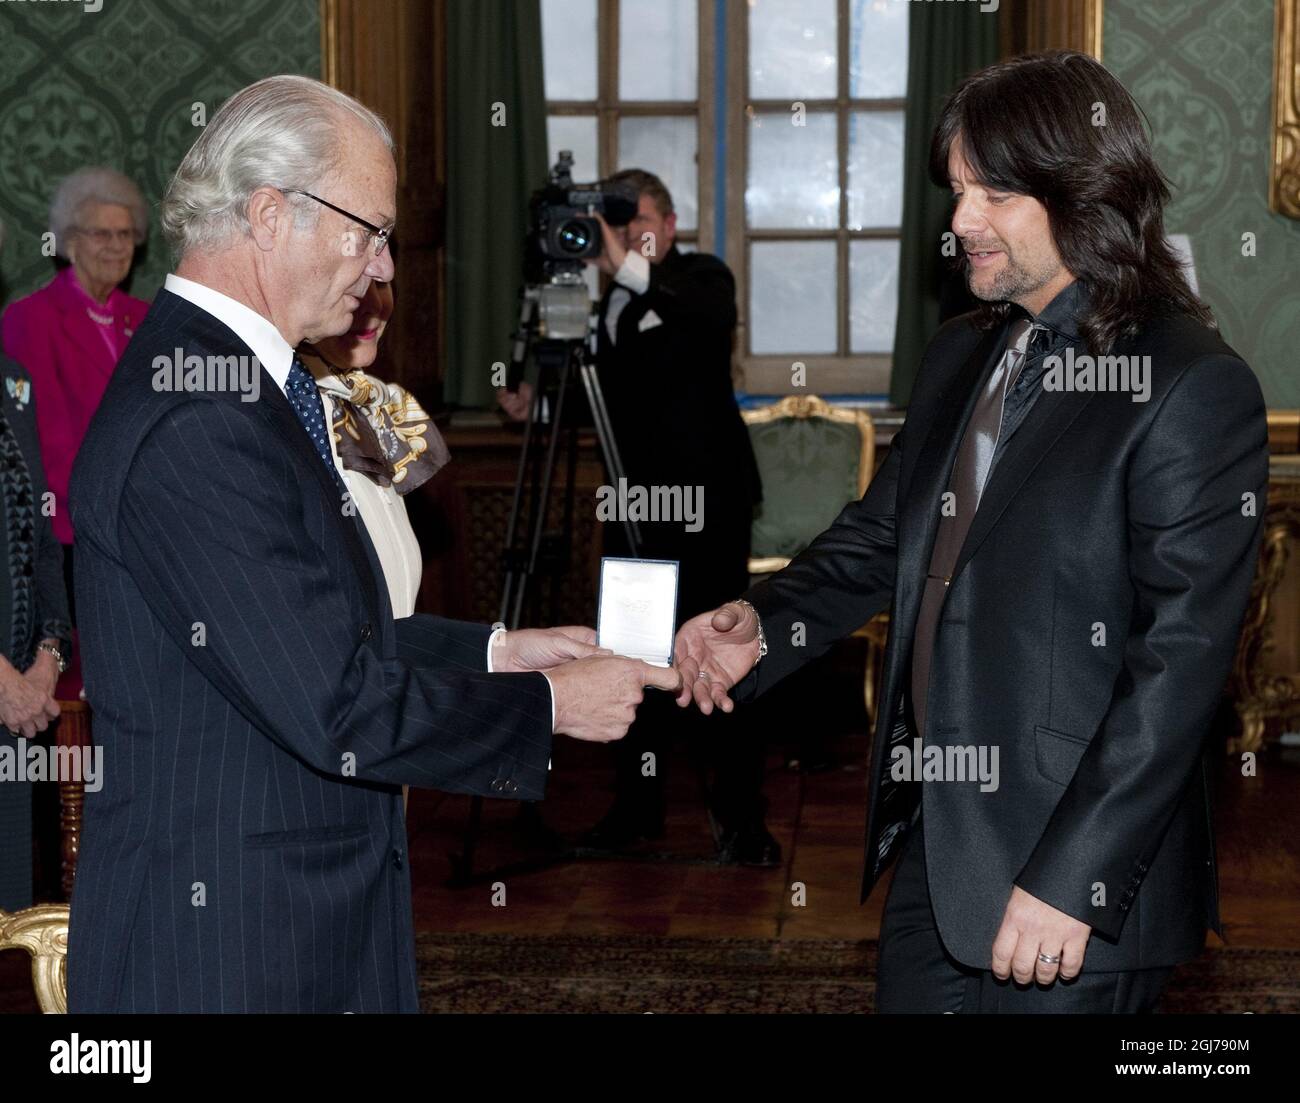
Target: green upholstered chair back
{"type": "Point", "coordinates": [814, 458]}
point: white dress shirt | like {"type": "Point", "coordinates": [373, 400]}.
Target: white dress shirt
{"type": "Point", "coordinates": [273, 352]}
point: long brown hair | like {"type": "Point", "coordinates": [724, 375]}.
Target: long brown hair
{"type": "Point", "coordinates": [1034, 125]}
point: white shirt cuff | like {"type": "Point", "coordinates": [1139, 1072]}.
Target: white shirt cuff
{"type": "Point", "coordinates": [634, 273]}
{"type": "Point", "coordinates": [492, 639]}
{"type": "Point", "coordinates": [548, 682]}
{"type": "Point", "coordinates": [492, 642]}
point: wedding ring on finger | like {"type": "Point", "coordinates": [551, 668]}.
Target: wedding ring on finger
{"type": "Point", "coordinates": [700, 675]}
{"type": "Point", "coordinates": [1049, 959]}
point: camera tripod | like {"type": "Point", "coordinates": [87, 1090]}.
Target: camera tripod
{"type": "Point", "coordinates": [558, 359]}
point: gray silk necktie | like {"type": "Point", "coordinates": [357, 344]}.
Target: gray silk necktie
{"type": "Point", "coordinates": [969, 477]}
{"type": "Point", "coordinates": [966, 484]}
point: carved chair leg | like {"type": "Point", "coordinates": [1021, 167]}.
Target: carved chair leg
{"type": "Point", "coordinates": [72, 796]}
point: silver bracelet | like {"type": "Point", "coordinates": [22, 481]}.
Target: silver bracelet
{"type": "Point", "coordinates": [56, 654]}
{"type": "Point", "coordinates": [762, 639]}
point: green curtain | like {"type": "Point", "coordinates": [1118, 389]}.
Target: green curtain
{"type": "Point", "coordinates": [494, 77]}
{"type": "Point", "coordinates": [945, 43]}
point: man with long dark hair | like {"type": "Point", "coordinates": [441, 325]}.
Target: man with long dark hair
{"type": "Point", "coordinates": [1066, 528]}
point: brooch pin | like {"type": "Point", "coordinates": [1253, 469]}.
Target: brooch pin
{"type": "Point", "coordinates": [20, 390]}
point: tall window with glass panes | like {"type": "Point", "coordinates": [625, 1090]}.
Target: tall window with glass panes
{"type": "Point", "coordinates": [808, 167]}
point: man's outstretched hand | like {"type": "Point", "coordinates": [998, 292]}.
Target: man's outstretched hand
{"type": "Point", "coordinates": [713, 652]}
{"type": "Point", "coordinates": [525, 649]}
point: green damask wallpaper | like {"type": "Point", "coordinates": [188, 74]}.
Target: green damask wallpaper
{"type": "Point", "coordinates": [117, 87]}
{"type": "Point", "coordinates": [1202, 71]}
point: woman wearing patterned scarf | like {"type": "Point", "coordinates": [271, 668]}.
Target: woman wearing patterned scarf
{"type": "Point", "coordinates": [384, 444]}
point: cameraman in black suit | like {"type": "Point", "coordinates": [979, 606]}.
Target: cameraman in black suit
{"type": "Point", "coordinates": [666, 323]}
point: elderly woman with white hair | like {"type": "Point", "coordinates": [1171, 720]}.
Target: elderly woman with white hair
{"type": "Point", "coordinates": [70, 334]}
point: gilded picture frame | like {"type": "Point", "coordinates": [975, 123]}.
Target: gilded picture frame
{"type": "Point", "coordinates": [1284, 167]}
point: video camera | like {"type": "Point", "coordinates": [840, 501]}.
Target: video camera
{"type": "Point", "coordinates": [563, 232]}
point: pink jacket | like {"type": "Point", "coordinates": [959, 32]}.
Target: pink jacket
{"type": "Point", "coordinates": [70, 363]}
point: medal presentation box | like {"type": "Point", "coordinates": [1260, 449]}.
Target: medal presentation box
{"type": "Point", "coordinates": [637, 608]}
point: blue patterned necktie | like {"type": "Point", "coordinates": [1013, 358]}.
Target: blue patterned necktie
{"type": "Point", "coordinates": [300, 389]}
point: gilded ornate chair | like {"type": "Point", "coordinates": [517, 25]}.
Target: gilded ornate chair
{"type": "Point", "coordinates": [1260, 691]}
{"type": "Point", "coordinates": [814, 458]}
{"type": "Point", "coordinates": [43, 932]}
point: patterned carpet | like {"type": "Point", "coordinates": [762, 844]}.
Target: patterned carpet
{"type": "Point", "coordinates": [636, 974]}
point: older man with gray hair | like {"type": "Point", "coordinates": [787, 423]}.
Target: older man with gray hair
{"type": "Point", "coordinates": [258, 705]}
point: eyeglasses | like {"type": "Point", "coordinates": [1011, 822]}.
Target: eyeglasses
{"type": "Point", "coordinates": [101, 236]}
{"type": "Point", "coordinates": [374, 233]}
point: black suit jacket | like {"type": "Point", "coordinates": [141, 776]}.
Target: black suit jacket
{"type": "Point", "coordinates": [667, 382]}
{"type": "Point", "coordinates": [1102, 511]}
{"type": "Point", "coordinates": [259, 710]}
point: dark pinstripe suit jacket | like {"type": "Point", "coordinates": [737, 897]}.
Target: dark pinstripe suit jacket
{"type": "Point", "coordinates": [259, 709]}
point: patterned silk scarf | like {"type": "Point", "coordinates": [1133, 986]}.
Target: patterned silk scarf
{"type": "Point", "coordinates": [381, 431]}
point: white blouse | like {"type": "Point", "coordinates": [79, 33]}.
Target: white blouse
{"type": "Point", "coordinates": [382, 512]}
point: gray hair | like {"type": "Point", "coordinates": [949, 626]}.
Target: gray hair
{"type": "Point", "coordinates": [95, 184]}
{"type": "Point", "coordinates": [282, 131]}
